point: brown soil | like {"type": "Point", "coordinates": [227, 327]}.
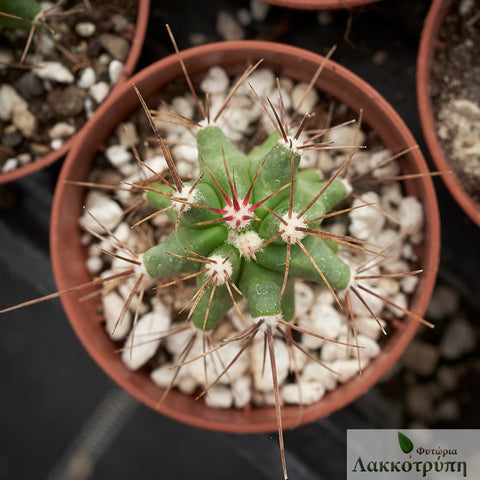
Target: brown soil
{"type": "Point", "coordinates": [455, 75]}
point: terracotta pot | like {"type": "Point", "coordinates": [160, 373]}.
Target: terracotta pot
{"type": "Point", "coordinates": [128, 69]}
{"type": "Point", "coordinates": [429, 43]}
{"type": "Point", "coordinates": [320, 4]}
{"type": "Point", "coordinates": [69, 257]}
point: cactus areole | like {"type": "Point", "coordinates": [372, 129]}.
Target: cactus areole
{"type": "Point", "coordinates": [244, 226]}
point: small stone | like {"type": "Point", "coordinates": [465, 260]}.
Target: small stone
{"type": "Point", "coordinates": [304, 393]}
{"type": "Point", "coordinates": [369, 348]}
{"type": "Point", "coordinates": [87, 78]}
{"type": "Point", "coordinates": [61, 130]}
{"type": "Point", "coordinates": [215, 81]}
{"type": "Point", "coordinates": [6, 57]}
{"type": "Point", "coordinates": [39, 149]}
{"type": "Point", "coordinates": [11, 136]}
{"type": "Point", "coordinates": [118, 155]}
{"type": "Point", "coordinates": [24, 158]}
{"type": "Point", "coordinates": [115, 45]}
{"type": "Point", "coordinates": [304, 298]}
{"type": "Point", "coordinates": [85, 29]}
{"type": "Point", "coordinates": [24, 120]}
{"type": "Point", "coordinates": [69, 102]}
{"type": "Point", "coordinates": [115, 69]}
{"type": "Point", "coordinates": [241, 392]}
{"type": "Point", "coordinates": [244, 17]}
{"type": "Point", "coordinates": [324, 18]}
{"type": "Point", "coordinates": [448, 410]}
{"type": "Point", "coordinates": [419, 401]}
{"type": "Point", "coordinates": [112, 307]}
{"type": "Point", "coordinates": [30, 85]}
{"type": "Point", "coordinates": [421, 358]}
{"type": "Point", "coordinates": [324, 320]}
{"type": "Point", "coordinates": [9, 98]}
{"type": "Point", "coordinates": [219, 396]}
{"type": "Point", "coordinates": [228, 27]}
{"type": "Point", "coordinates": [380, 57]}
{"type": "Point", "coordinates": [459, 338]}
{"type": "Point", "coordinates": [448, 377]}
{"type": "Point", "coordinates": [304, 99]}
{"type": "Point", "coordinates": [56, 143]}
{"type": "Point", "coordinates": [259, 10]}
{"type": "Point", "coordinates": [104, 209]}
{"type": "Point", "coordinates": [10, 165]}
{"type": "Point", "coordinates": [127, 134]}
{"type": "Point", "coordinates": [54, 71]}
{"type": "Point", "coordinates": [444, 302]}
{"type": "Point", "coordinates": [346, 369]}
{"type": "Point", "coordinates": [319, 373]}
{"type": "Point", "coordinates": [143, 342]}
{"type": "Point", "coordinates": [99, 91]}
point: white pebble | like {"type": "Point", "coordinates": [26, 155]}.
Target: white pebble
{"type": "Point", "coordinates": [56, 143]}
{"type": "Point", "coordinates": [219, 396]}
{"type": "Point", "coordinates": [346, 369]}
{"type": "Point", "coordinates": [94, 265]}
{"type": "Point", "coordinates": [61, 130]}
{"type": "Point", "coordinates": [262, 377]}
{"type": "Point", "coordinates": [115, 69]}
{"type": "Point", "coordinates": [347, 135]}
{"type": "Point", "coordinates": [24, 158]}
{"type": "Point", "coordinates": [86, 78]}
{"type": "Point", "coordinates": [304, 298]}
{"type": "Point", "coordinates": [241, 391]}
{"type": "Point", "coordinates": [215, 81]}
{"type": "Point", "coordinates": [314, 371]}
{"type": "Point", "coordinates": [368, 221]}
{"type": "Point", "coordinates": [323, 320]}
{"type": "Point", "coordinates": [304, 393]}
{"type": "Point", "coordinates": [104, 209]}
{"type": "Point", "coordinates": [369, 347]}
{"type": "Point", "coordinates": [99, 91]}
{"type": "Point", "coordinates": [112, 307]}
{"type": "Point", "coordinates": [85, 29]}
{"type": "Point", "coordinates": [54, 71]}
{"type": "Point", "coordinates": [259, 10]}
{"type": "Point", "coordinates": [118, 155]}
{"type": "Point", "coordinates": [146, 337]}
{"type": "Point", "coordinates": [228, 27]}
{"type": "Point", "coordinates": [10, 164]}
{"type": "Point", "coordinates": [304, 99]}
{"type": "Point", "coordinates": [9, 98]}
{"type": "Point", "coordinates": [411, 215]}
{"type": "Point", "coordinates": [369, 327]}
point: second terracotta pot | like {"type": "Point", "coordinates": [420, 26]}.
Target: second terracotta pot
{"type": "Point", "coordinates": [68, 256]}
{"type": "Point", "coordinates": [128, 69]}
{"type": "Point", "coordinates": [429, 46]}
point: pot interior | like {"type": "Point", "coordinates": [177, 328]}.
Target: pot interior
{"type": "Point", "coordinates": [68, 255]}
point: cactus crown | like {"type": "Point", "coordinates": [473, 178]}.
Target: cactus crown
{"type": "Point", "coordinates": [248, 226]}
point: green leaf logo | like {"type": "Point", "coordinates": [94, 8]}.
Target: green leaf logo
{"type": "Point", "coordinates": [405, 443]}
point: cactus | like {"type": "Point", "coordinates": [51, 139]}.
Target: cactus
{"type": "Point", "coordinates": [18, 14]}
{"type": "Point", "coordinates": [229, 237]}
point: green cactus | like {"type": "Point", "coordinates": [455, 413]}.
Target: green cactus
{"type": "Point", "coordinates": [18, 14]}
{"type": "Point", "coordinates": [250, 225]}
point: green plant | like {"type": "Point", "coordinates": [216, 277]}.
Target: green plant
{"type": "Point", "coordinates": [19, 14]}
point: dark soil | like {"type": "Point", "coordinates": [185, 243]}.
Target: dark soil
{"type": "Point", "coordinates": [50, 101]}
{"type": "Point", "coordinates": [455, 75]}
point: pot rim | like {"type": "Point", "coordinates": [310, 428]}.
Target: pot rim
{"type": "Point", "coordinates": [428, 44]}
{"type": "Point", "coordinates": [128, 69]}
{"type": "Point", "coordinates": [320, 4]}
{"type": "Point", "coordinates": [256, 419]}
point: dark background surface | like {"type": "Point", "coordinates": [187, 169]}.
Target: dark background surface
{"type": "Point", "coordinates": [62, 418]}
